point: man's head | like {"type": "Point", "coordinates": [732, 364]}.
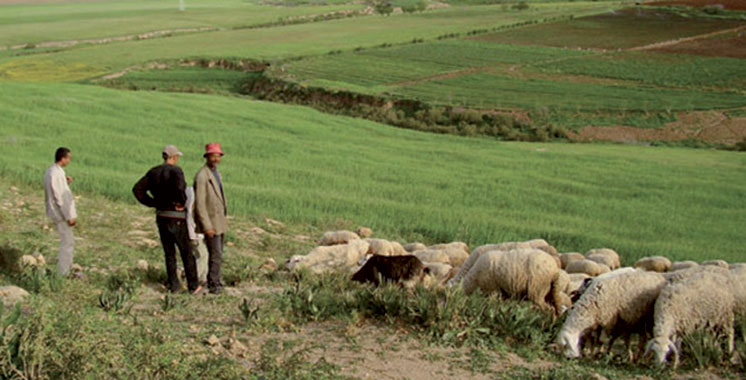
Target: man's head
{"type": "Point", "coordinates": [213, 154]}
{"type": "Point", "coordinates": [62, 156]}
{"type": "Point", "coordinates": [171, 154]}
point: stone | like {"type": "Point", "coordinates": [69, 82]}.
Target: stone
{"type": "Point", "coordinates": [27, 261]}
{"type": "Point", "coordinates": [270, 265]}
{"type": "Point", "coordinates": [10, 295]}
{"type": "Point", "coordinates": [212, 340]}
{"type": "Point", "coordinates": [142, 265]}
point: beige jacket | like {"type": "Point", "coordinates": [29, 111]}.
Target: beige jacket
{"type": "Point", "coordinates": [210, 212]}
{"type": "Point", "coordinates": [57, 195]}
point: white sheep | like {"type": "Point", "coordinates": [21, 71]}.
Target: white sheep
{"type": "Point", "coordinates": [576, 280]}
{"type": "Point", "coordinates": [681, 265]}
{"type": "Point", "coordinates": [439, 271]}
{"type": "Point", "coordinates": [688, 304]}
{"type": "Point", "coordinates": [326, 258]}
{"type": "Point", "coordinates": [588, 267]}
{"type": "Point", "coordinates": [413, 247]}
{"type": "Point", "coordinates": [338, 237]}
{"type": "Point", "coordinates": [717, 263]}
{"type": "Point", "coordinates": [618, 303]}
{"type": "Point", "coordinates": [567, 258]}
{"type": "Point", "coordinates": [479, 251]}
{"type": "Point", "coordinates": [654, 264]}
{"type": "Point", "coordinates": [530, 273]}
{"type": "Point", "coordinates": [606, 256]}
{"type": "Point", "coordinates": [384, 247]}
{"type": "Point", "coordinates": [452, 245]}
{"type": "Point", "coordinates": [453, 256]}
{"type": "Point", "coordinates": [364, 232]}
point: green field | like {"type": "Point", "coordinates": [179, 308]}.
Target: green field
{"type": "Point", "coordinates": [303, 166]}
{"type": "Point", "coordinates": [279, 42]}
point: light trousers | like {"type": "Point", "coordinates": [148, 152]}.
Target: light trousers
{"type": "Point", "coordinates": [67, 243]}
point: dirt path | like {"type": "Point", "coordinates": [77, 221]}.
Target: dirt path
{"type": "Point", "coordinates": [142, 36]}
{"type": "Point", "coordinates": [663, 44]}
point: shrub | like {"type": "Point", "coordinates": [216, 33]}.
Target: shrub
{"type": "Point", "coordinates": [521, 6]}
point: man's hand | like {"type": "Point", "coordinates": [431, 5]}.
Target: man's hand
{"type": "Point", "coordinates": [71, 222]}
{"type": "Point", "coordinates": [69, 180]}
{"type": "Point", "coordinates": [210, 233]}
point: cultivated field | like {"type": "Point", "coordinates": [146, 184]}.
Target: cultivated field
{"type": "Point", "coordinates": [116, 80]}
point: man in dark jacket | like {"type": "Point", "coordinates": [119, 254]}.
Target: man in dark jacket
{"type": "Point", "coordinates": [167, 187]}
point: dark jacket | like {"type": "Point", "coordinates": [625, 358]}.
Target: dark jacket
{"type": "Point", "coordinates": [166, 185]}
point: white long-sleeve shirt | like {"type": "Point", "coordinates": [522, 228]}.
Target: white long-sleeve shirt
{"type": "Point", "coordinates": [190, 215]}
{"type": "Point", "coordinates": [58, 197]}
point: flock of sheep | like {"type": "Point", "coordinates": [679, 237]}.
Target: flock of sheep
{"type": "Point", "coordinates": [657, 300]}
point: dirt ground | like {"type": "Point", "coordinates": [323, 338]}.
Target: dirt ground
{"type": "Point", "coordinates": [726, 4]}
{"type": "Point", "coordinates": [731, 45]}
{"type": "Point", "coordinates": [713, 127]}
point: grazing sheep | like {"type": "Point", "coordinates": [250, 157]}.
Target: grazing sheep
{"type": "Point", "coordinates": [688, 304]}
{"type": "Point", "coordinates": [454, 257]}
{"type": "Point", "coordinates": [439, 271]}
{"type": "Point", "coordinates": [658, 264]}
{"type": "Point", "coordinates": [563, 283]}
{"type": "Point", "coordinates": [408, 271]}
{"type": "Point", "coordinates": [338, 237]}
{"type": "Point", "coordinates": [479, 251]}
{"type": "Point", "coordinates": [325, 258]}
{"type": "Point", "coordinates": [586, 266]}
{"type": "Point", "coordinates": [364, 232]}
{"type": "Point", "coordinates": [717, 263]}
{"type": "Point", "coordinates": [452, 245]}
{"type": "Point", "coordinates": [605, 256]}
{"type": "Point", "coordinates": [618, 303]}
{"type": "Point", "coordinates": [384, 247]}
{"type": "Point", "coordinates": [518, 273]}
{"type": "Point", "coordinates": [738, 266]}
{"type": "Point", "coordinates": [681, 265]}
{"type": "Point", "coordinates": [567, 258]}
{"type": "Point", "coordinates": [576, 281]}
{"type": "Point", "coordinates": [413, 247]}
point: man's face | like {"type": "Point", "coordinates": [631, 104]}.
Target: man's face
{"type": "Point", "coordinates": [213, 159]}
{"type": "Point", "coordinates": [65, 160]}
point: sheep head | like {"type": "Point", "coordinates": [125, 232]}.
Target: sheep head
{"type": "Point", "coordinates": [294, 261]}
{"type": "Point", "coordinates": [661, 347]}
{"type": "Point", "coordinates": [569, 343]}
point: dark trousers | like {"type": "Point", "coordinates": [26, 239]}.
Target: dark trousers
{"type": "Point", "coordinates": [215, 248]}
{"type": "Point", "coordinates": [174, 234]}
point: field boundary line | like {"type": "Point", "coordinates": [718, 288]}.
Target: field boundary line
{"type": "Point", "coordinates": [677, 41]}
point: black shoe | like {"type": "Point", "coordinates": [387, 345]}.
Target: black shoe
{"type": "Point", "coordinates": [216, 290]}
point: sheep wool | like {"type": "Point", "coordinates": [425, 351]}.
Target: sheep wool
{"type": "Point", "coordinates": [453, 245]}
{"type": "Point", "coordinates": [364, 232]}
{"type": "Point", "coordinates": [717, 263]}
{"type": "Point", "coordinates": [328, 258]}
{"type": "Point", "coordinates": [384, 247]}
{"type": "Point", "coordinates": [518, 273]}
{"type": "Point", "coordinates": [413, 247]}
{"type": "Point", "coordinates": [452, 256]}
{"type": "Point", "coordinates": [604, 256]}
{"type": "Point", "coordinates": [620, 302]}
{"type": "Point", "coordinates": [477, 252]}
{"type": "Point", "coordinates": [658, 264]}
{"type": "Point", "coordinates": [567, 258]}
{"type": "Point", "coordinates": [586, 266]}
{"type": "Point", "coordinates": [689, 304]}
{"type": "Point", "coordinates": [338, 237]}
{"type": "Point", "coordinates": [681, 265]}
{"type": "Point", "coordinates": [439, 271]}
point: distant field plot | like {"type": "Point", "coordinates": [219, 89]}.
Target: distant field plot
{"type": "Point", "coordinates": [183, 79]}
{"type": "Point", "coordinates": [613, 30]}
{"type": "Point", "coordinates": [658, 69]}
{"type": "Point", "coordinates": [297, 165]}
{"type": "Point", "coordinates": [727, 4]}
{"type": "Point", "coordinates": [485, 90]}
{"type": "Point", "coordinates": [34, 23]}
{"type": "Point", "coordinates": [282, 42]}
{"type": "Point", "coordinates": [731, 45]}
{"type": "Point", "coordinates": [376, 70]}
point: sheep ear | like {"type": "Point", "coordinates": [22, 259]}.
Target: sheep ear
{"type": "Point", "coordinates": [648, 348]}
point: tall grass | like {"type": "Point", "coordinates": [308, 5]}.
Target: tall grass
{"type": "Point", "coordinates": [298, 165]}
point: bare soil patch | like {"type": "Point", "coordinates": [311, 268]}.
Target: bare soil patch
{"type": "Point", "coordinates": [726, 4]}
{"type": "Point", "coordinates": [731, 45]}
{"type": "Point", "coordinates": [712, 127]}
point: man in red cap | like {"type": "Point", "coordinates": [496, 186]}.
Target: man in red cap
{"type": "Point", "coordinates": [210, 213]}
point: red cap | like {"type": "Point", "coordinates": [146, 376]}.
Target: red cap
{"type": "Point", "coordinates": [213, 148]}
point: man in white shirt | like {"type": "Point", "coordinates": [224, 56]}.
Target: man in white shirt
{"type": "Point", "coordinates": [61, 207]}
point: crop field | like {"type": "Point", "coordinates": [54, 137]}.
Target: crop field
{"type": "Point", "coordinates": [727, 4]}
{"type": "Point", "coordinates": [116, 80]}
